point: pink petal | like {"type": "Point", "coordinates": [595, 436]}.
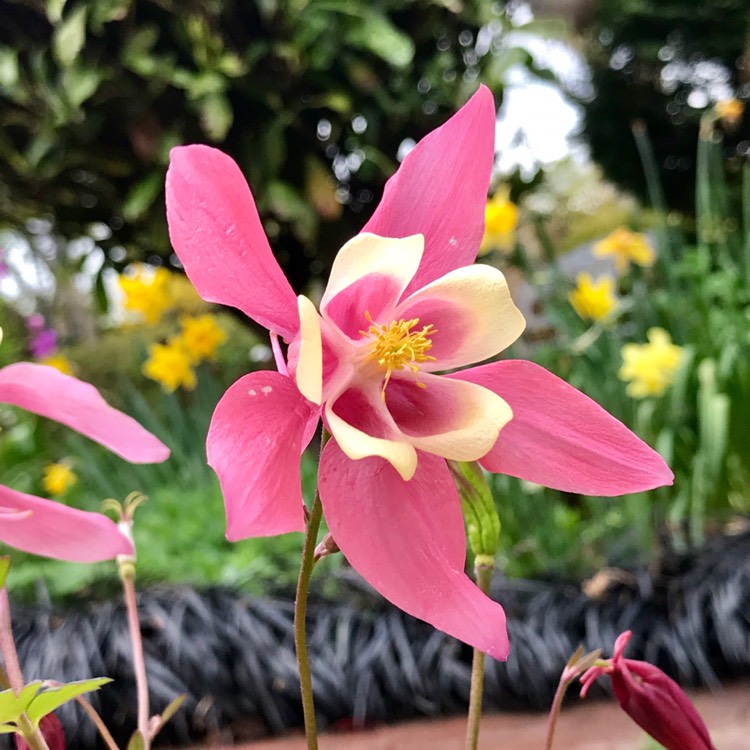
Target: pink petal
{"type": "Point", "coordinates": [453, 419]}
{"type": "Point", "coordinates": [363, 427]}
{"type": "Point", "coordinates": [46, 391]}
{"type": "Point", "coordinates": [254, 445]}
{"type": "Point", "coordinates": [216, 232]}
{"type": "Point", "coordinates": [440, 190]}
{"type": "Point", "coordinates": [560, 438]}
{"type": "Point", "coordinates": [472, 313]}
{"type": "Point", "coordinates": [407, 540]}
{"type": "Point", "coordinates": [369, 275]}
{"type": "Point", "coordinates": [54, 530]}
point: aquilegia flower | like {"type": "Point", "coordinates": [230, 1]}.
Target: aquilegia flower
{"type": "Point", "coordinates": [652, 699]}
{"type": "Point", "coordinates": [47, 528]}
{"type": "Point", "coordinates": [402, 304]}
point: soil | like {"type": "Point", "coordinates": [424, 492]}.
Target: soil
{"type": "Point", "coordinates": [583, 725]}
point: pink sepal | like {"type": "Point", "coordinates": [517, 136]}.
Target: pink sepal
{"type": "Point", "coordinates": [216, 231]}
{"type": "Point", "coordinates": [560, 438]}
{"type": "Point", "coordinates": [46, 391]}
{"type": "Point", "coordinates": [50, 529]}
{"type": "Point", "coordinates": [407, 540]}
{"type": "Point", "coordinates": [440, 191]}
{"type": "Point", "coordinates": [254, 445]}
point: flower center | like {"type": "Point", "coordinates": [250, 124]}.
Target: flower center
{"type": "Point", "coordinates": [398, 346]}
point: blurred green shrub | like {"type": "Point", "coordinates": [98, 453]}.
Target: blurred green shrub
{"type": "Point", "coordinates": [312, 97]}
{"type": "Point", "coordinates": [698, 291]}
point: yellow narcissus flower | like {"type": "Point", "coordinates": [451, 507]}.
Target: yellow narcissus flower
{"type": "Point", "coordinates": [500, 222]}
{"type": "Point", "coordinates": [147, 291]}
{"type": "Point", "coordinates": [170, 365]}
{"type": "Point", "coordinates": [59, 362]}
{"type": "Point", "coordinates": [58, 478]}
{"type": "Point", "coordinates": [626, 247]}
{"type": "Point", "coordinates": [201, 336]}
{"type": "Point", "coordinates": [729, 111]}
{"type": "Point", "coordinates": [650, 368]}
{"type": "Point", "coordinates": [593, 300]}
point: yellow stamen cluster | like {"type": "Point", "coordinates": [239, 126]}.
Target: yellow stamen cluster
{"type": "Point", "coordinates": [397, 346]}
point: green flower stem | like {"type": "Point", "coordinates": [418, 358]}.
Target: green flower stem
{"type": "Point", "coordinates": [313, 519]}
{"type": "Point", "coordinates": [484, 566]}
{"type": "Point", "coordinates": [13, 674]}
{"type": "Point", "coordinates": [300, 613]}
{"type": "Point", "coordinates": [34, 738]}
{"type": "Point", "coordinates": [126, 567]}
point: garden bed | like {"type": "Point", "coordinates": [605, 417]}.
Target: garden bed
{"type": "Point", "coordinates": [233, 654]}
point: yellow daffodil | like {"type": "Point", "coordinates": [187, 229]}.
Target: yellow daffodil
{"type": "Point", "coordinates": [500, 222]}
{"type": "Point", "coordinates": [147, 291]}
{"type": "Point", "coordinates": [58, 478]}
{"type": "Point", "coordinates": [170, 365]}
{"type": "Point", "coordinates": [626, 247]}
{"type": "Point", "coordinates": [59, 362]}
{"type": "Point", "coordinates": [650, 368]}
{"type": "Point", "coordinates": [729, 111]}
{"type": "Point", "coordinates": [593, 300]}
{"type": "Point", "coordinates": [201, 336]}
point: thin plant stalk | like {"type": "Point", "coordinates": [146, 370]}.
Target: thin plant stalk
{"type": "Point", "coordinates": [300, 614]}
{"type": "Point", "coordinates": [93, 714]}
{"type": "Point", "coordinates": [127, 576]}
{"type": "Point", "coordinates": [554, 712]}
{"type": "Point", "coordinates": [34, 738]}
{"type": "Point", "coordinates": [483, 567]}
{"type": "Point", "coordinates": [7, 644]}
{"type": "Point", "coordinates": [312, 527]}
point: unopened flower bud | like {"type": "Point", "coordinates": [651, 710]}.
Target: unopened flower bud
{"type": "Point", "coordinates": [478, 506]}
{"type": "Point", "coordinates": [653, 700]}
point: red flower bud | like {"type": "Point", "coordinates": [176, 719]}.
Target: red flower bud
{"type": "Point", "coordinates": [653, 700]}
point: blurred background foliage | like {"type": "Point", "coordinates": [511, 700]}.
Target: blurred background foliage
{"type": "Point", "coordinates": [662, 62]}
{"type": "Point", "coordinates": [316, 100]}
{"type": "Point", "coordinates": [312, 98]}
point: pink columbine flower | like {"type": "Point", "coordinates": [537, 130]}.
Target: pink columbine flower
{"type": "Point", "coordinates": [403, 303]}
{"type": "Point", "coordinates": [44, 527]}
{"type": "Point", "coordinates": [652, 699]}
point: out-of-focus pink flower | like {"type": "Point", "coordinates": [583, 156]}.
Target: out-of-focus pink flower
{"type": "Point", "coordinates": [403, 303]}
{"type": "Point", "coordinates": [652, 699]}
{"type": "Point", "coordinates": [43, 527]}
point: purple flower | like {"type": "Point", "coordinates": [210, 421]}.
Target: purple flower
{"type": "Point", "coordinates": [44, 343]}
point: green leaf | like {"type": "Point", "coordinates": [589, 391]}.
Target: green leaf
{"type": "Point", "coordinates": [378, 35]}
{"type": "Point", "coordinates": [53, 697]}
{"type": "Point", "coordinates": [69, 37]}
{"type": "Point", "coordinates": [141, 196]}
{"type": "Point", "coordinates": [170, 711]}
{"type": "Point", "coordinates": [4, 568]}
{"type": "Point", "coordinates": [216, 116]}
{"type": "Point", "coordinates": [80, 84]}
{"type": "Point", "coordinates": [12, 706]}
{"type": "Point", "coordinates": [8, 67]}
{"type": "Point", "coordinates": [54, 10]}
